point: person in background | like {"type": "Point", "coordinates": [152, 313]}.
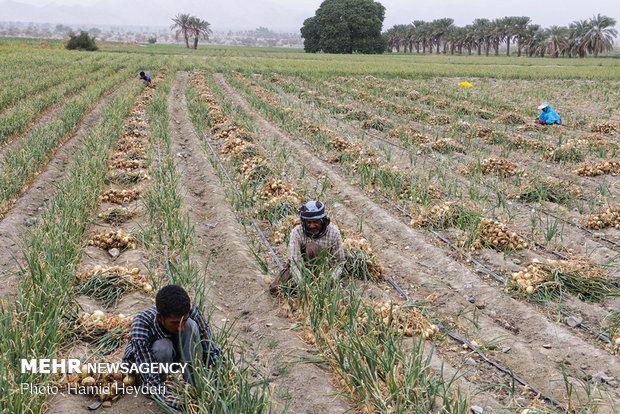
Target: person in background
{"type": "Point", "coordinates": [146, 78]}
{"type": "Point", "coordinates": [173, 330]}
{"type": "Point", "coordinates": [548, 116]}
{"type": "Point", "coordinates": [307, 240]}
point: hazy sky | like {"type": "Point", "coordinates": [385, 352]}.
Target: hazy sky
{"type": "Point", "coordinates": [289, 15]}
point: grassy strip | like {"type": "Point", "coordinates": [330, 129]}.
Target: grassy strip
{"type": "Point", "coordinates": [20, 165]}
{"type": "Point", "coordinates": [26, 86]}
{"type": "Point", "coordinates": [378, 369]}
{"type": "Point", "coordinates": [31, 324]}
{"type": "Point", "coordinates": [19, 118]}
{"type": "Point", "coordinates": [233, 386]}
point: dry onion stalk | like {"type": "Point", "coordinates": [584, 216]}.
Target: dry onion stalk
{"type": "Point", "coordinates": [379, 123]}
{"type": "Point", "coordinates": [407, 320]}
{"type": "Point", "coordinates": [608, 217]}
{"type": "Point", "coordinates": [604, 167]}
{"type": "Point", "coordinates": [120, 196]}
{"type": "Point", "coordinates": [556, 278]}
{"type": "Point", "coordinates": [604, 128]}
{"type": "Point", "coordinates": [117, 215]}
{"type": "Point", "coordinates": [443, 215]}
{"type": "Point", "coordinates": [109, 239]}
{"type": "Point", "coordinates": [549, 189]}
{"type": "Point", "coordinates": [360, 261]}
{"type": "Point", "coordinates": [131, 275]}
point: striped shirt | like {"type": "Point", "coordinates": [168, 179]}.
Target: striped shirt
{"type": "Point", "coordinates": [145, 330]}
{"type": "Point", "coordinates": [331, 240]}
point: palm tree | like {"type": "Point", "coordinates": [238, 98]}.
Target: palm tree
{"type": "Point", "coordinates": [403, 37]}
{"type": "Point", "coordinates": [481, 31]}
{"type": "Point", "coordinates": [181, 24]}
{"type": "Point", "coordinates": [441, 27]}
{"type": "Point", "coordinates": [520, 25]}
{"type": "Point", "coordinates": [510, 31]}
{"type": "Point", "coordinates": [393, 40]}
{"type": "Point", "coordinates": [199, 28]}
{"type": "Point", "coordinates": [469, 37]}
{"type": "Point", "coordinates": [498, 33]}
{"type": "Point", "coordinates": [417, 34]}
{"type": "Point", "coordinates": [427, 32]}
{"type": "Point", "coordinates": [532, 34]}
{"type": "Point", "coordinates": [557, 42]}
{"type": "Point", "coordinates": [424, 32]}
{"type": "Point", "coordinates": [600, 37]}
{"type": "Point", "coordinates": [577, 44]}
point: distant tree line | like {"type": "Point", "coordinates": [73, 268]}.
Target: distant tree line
{"type": "Point", "coordinates": [580, 38]}
{"type": "Point", "coordinates": [190, 26]}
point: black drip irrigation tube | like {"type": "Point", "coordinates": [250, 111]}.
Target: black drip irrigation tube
{"type": "Point", "coordinates": [232, 185]}
{"type": "Point", "coordinates": [560, 255]}
{"type": "Point", "coordinates": [482, 354]}
{"type": "Point", "coordinates": [570, 222]}
{"type": "Point", "coordinates": [599, 335]}
{"type": "Point", "coordinates": [404, 294]}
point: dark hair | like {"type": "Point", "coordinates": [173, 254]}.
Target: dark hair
{"type": "Point", "coordinates": [172, 300]}
{"type": "Point", "coordinates": [141, 73]}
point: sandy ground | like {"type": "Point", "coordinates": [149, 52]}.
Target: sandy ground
{"type": "Point", "coordinates": [28, 207]}
{"type": "Point", "coordinates": [537, 344]}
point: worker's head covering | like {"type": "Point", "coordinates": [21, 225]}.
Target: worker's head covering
{"type": "Point", "coordinates": [314, 210]}
{"type": "Point", "coordinates": [548, 114]}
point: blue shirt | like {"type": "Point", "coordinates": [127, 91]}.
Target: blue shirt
{"type": "Point", "coordinates": [550, 116]}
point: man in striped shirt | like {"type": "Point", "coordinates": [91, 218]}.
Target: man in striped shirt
{"type": "Point", "coordinates": [173, 330]}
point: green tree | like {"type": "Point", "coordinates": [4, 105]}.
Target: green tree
{"type": "Point", "coordinates": [601, 35]}
{"type": "Point", "coordinates": [199, 29]}
{"type": "Point", "coordinates": [577, 43]}
{"type": "Point", "coordinates": [346, 26]}
{"type": "Point", "coordinates": [557, 41]}
{"type": "Point", "coordinates": [520, 31]}
{"type": "Point", "coordinates": [83, 41]}
{"type": "Point", "coordinates": [311, 33]}
{"type": "Point", "coordinates": [181, 24]}
{"type": "Point", "coordinates": [441, 28]}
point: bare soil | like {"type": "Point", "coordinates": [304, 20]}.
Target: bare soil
{"type": "Point", "coordinates": [238, 285]}
{"type": "Point", "coordinates": [537, 345]}
{"type": "Point", "coordinates": [14, 225]}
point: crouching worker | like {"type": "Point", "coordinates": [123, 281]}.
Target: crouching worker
{"type": "Point", "coordinates": [548, 116]}
{"type": "Point", "coordinates": [146, 78]}
{"type": "Point", "coordinates": [173, 330]}
{"type": "Point", "coordinates": [308, 240]}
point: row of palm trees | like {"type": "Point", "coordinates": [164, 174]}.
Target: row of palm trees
{"type": "Point", "coordinates": [190, 26]}
{"type": "Point", "coordinates": [580, 38]}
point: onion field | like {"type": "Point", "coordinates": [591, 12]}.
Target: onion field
{"type": "Point", "coordinates": [482, 248]}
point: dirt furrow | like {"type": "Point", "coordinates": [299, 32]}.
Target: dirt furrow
{"type": "Point", "coordinates": [402, 158]}
{"type": "Point", "coordinates": [238, 287]}
{"type": "Point", "coordinates": [573, 238]}
{"type": "Point", "coordinates": [130, 303]}
{"type": "Point", "coordinates": [27, 208]}
{"type": "Point", "coordinates": [539, 348]}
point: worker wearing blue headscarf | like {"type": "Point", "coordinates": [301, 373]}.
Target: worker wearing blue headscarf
{"type": "Point", "coordinates": [548, 116]}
